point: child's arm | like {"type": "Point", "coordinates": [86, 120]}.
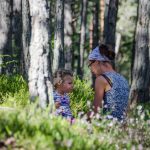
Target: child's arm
{"type": "Point", "coordinates": [57, 104]}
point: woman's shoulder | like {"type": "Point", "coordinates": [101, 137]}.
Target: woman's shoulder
{"type": "Point", "coordinates": [100, 81]}
{"type": "Point", "coordinates": [114, 75]}
{"type": "Point", "coordinates": [117, 79]}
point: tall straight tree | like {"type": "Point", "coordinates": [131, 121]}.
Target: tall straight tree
{"type": "Point", "coordinates": [26, 34]}
{"type": "Point", "coordinates": [82, 37]}
{"type": "Point", "coordinates": [95, 36]}
{"type": "Point", "coordinates": [140, 88]}
{"type": "Point", "coordinates": [101, 18]}
{"type": "Point", "coordinates": [50, 5]}
{"type": "Point", "coordinates": [17, 31]}
{"type": "Point", "coordinates": [58, 53]}
{"type": "Point", "coordinates": [95, 24]}
{"type": "Point", "coordinates": [39, 75]}
{"type": "Point", "coordinates": [110, 18]}
{"type": "Point", "coordinates": [75, 38]}
{"type": "Point", "coordinates": [5, 35]}
{"type": "Point", "coordinates": [68, 31]}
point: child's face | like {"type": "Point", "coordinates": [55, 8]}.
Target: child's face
{"type": "Point", "coordinates": [67, 85]}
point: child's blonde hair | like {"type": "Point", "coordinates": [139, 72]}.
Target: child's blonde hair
{"type": "Point", "coordinates": [59, 75]}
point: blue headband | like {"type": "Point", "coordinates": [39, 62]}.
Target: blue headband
{"type": "Point", "coordinates": [96, 55]}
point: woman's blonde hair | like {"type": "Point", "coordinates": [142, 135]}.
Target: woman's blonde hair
{"type": "Point", "coordinates": [59, 75]}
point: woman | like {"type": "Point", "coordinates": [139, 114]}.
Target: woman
{"type": "Point", "coordinates": [110, 87]}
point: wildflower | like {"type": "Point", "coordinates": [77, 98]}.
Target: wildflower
{"type": "Point", "coordinates": [68, 143]}
{"type": "Point", "coordinates": [139, 107]}
{"type": "Point", "coordinates": [140, 147]}
{"type": "Point", "coordinates": [110, 124]}
{"type": "Point", "coordinates": [88, 104]}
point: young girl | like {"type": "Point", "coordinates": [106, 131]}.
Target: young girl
{"type": "Point", "coordinates": [63, 84]}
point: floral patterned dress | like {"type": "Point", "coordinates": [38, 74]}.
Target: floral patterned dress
{"type": "Point", "coordinates": [64, 109]}
{"type": "Point", "coordinates": [116, 99]}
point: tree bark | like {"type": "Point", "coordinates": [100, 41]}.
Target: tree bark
{"type": "Point", "coordinates": [110, 18]}
{"type": "Point", "coordinates": [17, 32]}
{"type": "Point", "coordinates": [50, 5]}
{"type": "Point", "coordinates": [26, 35]}
{"type": "Point", "coordinates": [96, 24]}
{"type": "Point", "coordinates": [5, 36]}
{"type": "Point", "coordinates": [140, 88]}
{"type": "Point", "coordinates": [95, 32]}
{"type": "Point", "coordinates": [68, 31]}
{"type": "Point", "coordinates": [102, 11]}
{"type": "Point", "coordinates": [82, 38]}
{"type": "Point", "coordinates": [39, 75]}
{"type": "Point", "coordinates": [58, 53]}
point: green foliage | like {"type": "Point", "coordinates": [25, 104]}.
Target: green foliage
{"type": "Point", "coordinates": [126, 23]}
{"type": "Point", "coordinates": [33, 128]}
{"type": "Point", "coordinates": [81, 95]}
{"type": "Point", "coordinates": [9, 61]}
{"type": "Point", "coordinates": [13, 90]}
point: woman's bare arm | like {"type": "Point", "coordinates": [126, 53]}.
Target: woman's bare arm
{"type": "Point", "coordinates": [100, 85]}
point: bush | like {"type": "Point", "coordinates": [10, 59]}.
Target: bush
{"type": "Point", "coordinates": [13, 91]}
{"type": "Point", "coordinates": [81, 96]}
{"type": "Point", "coordinates": [33, 128]}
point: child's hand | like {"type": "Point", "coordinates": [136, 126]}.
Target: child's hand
{"type": "Point", "coordinates": [57, 105]}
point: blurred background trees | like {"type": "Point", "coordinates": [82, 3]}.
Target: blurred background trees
{"type": "Point", "coordinates": [140, 87]}
{"type": "Point", "coordinates": [66, 32]}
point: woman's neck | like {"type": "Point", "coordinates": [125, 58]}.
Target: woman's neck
{"type": "Point", "coordinates": [108, 70]}
{"type": "Point", "coordinates": [105, 69]}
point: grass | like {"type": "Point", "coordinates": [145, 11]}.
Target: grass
{"type": "Point", "coordinates": [27, 127]}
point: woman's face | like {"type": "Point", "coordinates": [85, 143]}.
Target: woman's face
{"type": "Point", "coordinates": [95, 67]}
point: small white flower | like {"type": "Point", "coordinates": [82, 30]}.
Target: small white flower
{"type": "Point", "coordinates": [110, 124]}
{"type": "Point", "coordinates": [97, 116]}
{"type": "Point", "coordinates": [69, 143]}
{"type": "Point", "coordinates": [139, 107]}
{"type": "Point", "coordinates": [131, 120]}
{"type": "Point", "coordinates": [148, 121]}
{"type": "Point", "coordinates": [105, 106]}
{"type": "Point", "coordinates": [142, 116]}
{"type": "Point", "coordinates": [117, 146]}
{"type": "Point", "coordinates": [140, 147]}
{"type": "Point", "coordinates": [88, 103]}
{"type": "Point", "coordinates": [133, 148]}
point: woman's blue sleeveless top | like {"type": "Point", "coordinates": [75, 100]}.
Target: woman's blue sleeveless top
{"type": "Point", "coordinates": [116, 99]}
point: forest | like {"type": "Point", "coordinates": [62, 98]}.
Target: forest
{"type": "Point", "coordinates": [39, 37]}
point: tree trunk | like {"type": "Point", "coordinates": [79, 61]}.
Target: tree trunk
{"type": "Point", "coordinates": [118, 41]}
{"type": "Point", "coordinates": [82, 38]}
{"type": "Point", "coordinates": [50, 5]}
{"type": "Point", "coordinates": [17, 32]}
{"type": "Point", "coordinates": [102, 10]}
{"type": "Point", "coordinates": [96, 24]}
{"type": "Point", "coordinates": [26, 34]}
{"type": "Point", "coordinates": [95, 32]}
{"type": "Point", "coordinates": [5, 36]}
{"type": "Point", "coordinates": [75, 48]}
{"type": "Point", "coordinates": [140, 88]}
{"type": "Point", "coordinates": [111, 10]}
{"type": "Point", "coordinates": [91, 34]}
{"type": "Point", "coordinates": [68, 31]}
{"type": "Point", "coordinates": [58, 53]}
{"type": "Point", "coordinates": [39, 75]}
